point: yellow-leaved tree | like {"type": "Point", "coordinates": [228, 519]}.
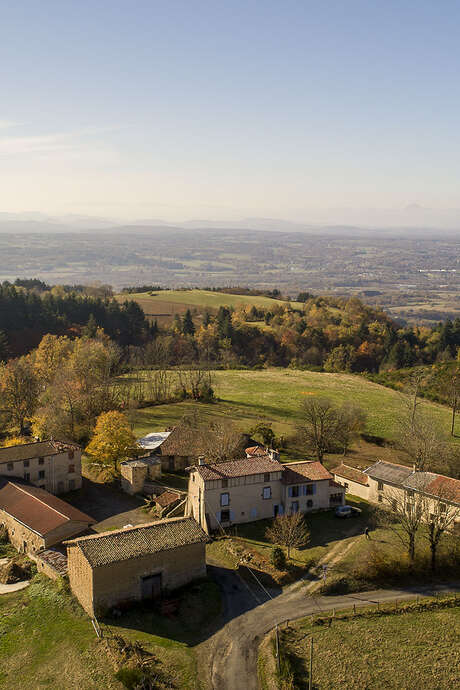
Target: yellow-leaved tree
{"type": "Point", "coordinates": [113, 440]}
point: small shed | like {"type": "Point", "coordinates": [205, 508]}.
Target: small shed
{"type": "Point", "coordinates": [135, 472]}
{"type": "Point", "coordinates": [135, 563]}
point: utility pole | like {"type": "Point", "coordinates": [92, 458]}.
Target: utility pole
{"type": "Point", "coordinates": [277, 649]}
{"type": "Point", "coordinates": [310, 675]}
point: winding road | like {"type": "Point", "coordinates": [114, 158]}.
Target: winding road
{"type": "Point", "coordinates": [249, 613]}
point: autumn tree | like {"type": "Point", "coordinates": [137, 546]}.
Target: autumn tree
{"type": "Point", "coordinates": [50, 355]}
{"type": "Point", "coordinates": [319, 425]}
{"type": "Point", "coordinates": [113, 440]}
{"type": "Point", "coordinates": [290, 531]}
{"type": "Point", "coordinates": [18, 392]}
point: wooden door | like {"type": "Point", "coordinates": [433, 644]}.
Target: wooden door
{"type": "Point", "coordinates": [151, 586]}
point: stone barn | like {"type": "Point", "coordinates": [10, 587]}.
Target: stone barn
{"type": "Point", "coordinates": [135, 563]}
{"type": "Point", "coordinates": [35, 519]}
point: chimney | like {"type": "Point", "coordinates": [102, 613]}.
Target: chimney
{"type": "Point", "coordinates": [201, 460]}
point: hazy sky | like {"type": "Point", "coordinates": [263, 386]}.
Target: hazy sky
{"type": "Point", "coordinates": [222, 109]}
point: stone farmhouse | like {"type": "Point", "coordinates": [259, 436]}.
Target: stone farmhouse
{"type": "Point", "coordinates": [258, 487]}
{"type": "Point", "coordinates": [35, 519]}
{"type": "Point", "coordinates": [185, 444]}
{"type": "Point", "coordinates": [51, 465]}
{"type": "Point", "coordinates": [135, 563]}
{"type": "Point", "coordinates": [385, 481]}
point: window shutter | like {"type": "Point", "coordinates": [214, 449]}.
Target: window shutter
{"type": "Point", "coordinates": [232, 515]}
{"type": "Point", "coordinates": [314, 489]}
{"type": "Point", "coordinates": [304, 490]}
{"type": "Point", "coordinates": [290, 492]}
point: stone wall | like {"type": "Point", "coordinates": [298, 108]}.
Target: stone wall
{"type": "Point", "coordinates": [106, 586]}
{"type": "Point", "coordinates": [21, 537]}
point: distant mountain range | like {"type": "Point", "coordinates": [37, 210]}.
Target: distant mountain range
{"type": "Point", "coordinates": [414, 219]}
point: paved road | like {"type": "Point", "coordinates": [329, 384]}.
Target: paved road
{"type": "Point", "coordinates": [232, 651]}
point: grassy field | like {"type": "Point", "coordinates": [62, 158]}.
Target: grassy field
{"type": "Point", "coordinates": [47, 641]}
{"type": "Point", "coordinates": [326, 531]}
{"type": "Point", "coordinates": [163, 305]}
{"type": "Point", "coordinates": [275, 396]}
{"type": "Point", "coordinates": [410, 650]}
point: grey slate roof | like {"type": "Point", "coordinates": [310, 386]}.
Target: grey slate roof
{"type": "Point", "coordinates": [388, 472]}
{"type": "Point", "coordinates": [143, 540]}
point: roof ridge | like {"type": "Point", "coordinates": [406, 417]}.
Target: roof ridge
{"type": "Point", "coordinates": [124, 530]}
{"type": "Point", "coordinates": [24, 487]}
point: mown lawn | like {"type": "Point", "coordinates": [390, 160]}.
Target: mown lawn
{"type": "Point", "coordinates": [275, 396]}
{"type": "Point", "coordinates": [410, 650]}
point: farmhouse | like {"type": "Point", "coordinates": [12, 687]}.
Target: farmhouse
{"type": "Point", "coordinates": [258, 487]}
{"type": "Point", "coordinates": [135, 563]}
{"type": "Point", "coordinates": [35, 519]}
{"type": "Point", "coordinates": [186, 443]}
{"type": "Point", "coordinates": [51, 465]}
{"type": "Point", "coordinates": [386, 481]}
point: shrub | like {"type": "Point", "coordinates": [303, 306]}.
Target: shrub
{"type": "Point", "coordinates": [278, 558]}
{"type": "Point", "coordinates": [130, 677]}
{"type": "Point", "coordinates": [3, 535]}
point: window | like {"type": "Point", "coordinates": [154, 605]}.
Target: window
{"type": "Point", "coordinates": [394, 503]}
{"type": "Point", "coordinates": [71, 484]}
{"type": "Point", "coordinates": [267, 492]}
{"type": "Point", "coordinates": [442, 507]}
{"type": "Point", "coordinates": [71, 454]}
{"type": "Point", "coordinates": [41, 461]}
{"type": "Point", "coordinates": [27, 476]}
{"type": "Point", "coordinates": [71, 469]}
{"type": "Point", "coordinates": [309, 490]}
{"type": "Point", "coordinates": [41, 474]}
{"type": "Point", "coordinates": [293, 491]}
{"type": "Point", "coordinates": [26, 463]}
{"type": "Point", "coordinates": [295, 507]}
{"type": "Point", "coordinates": [379, 498]}
{"type": "Point", "coordinates": [224, 483]}
{"type": "Point", "coordinates": [346, 486]}
{"type": "Point", "coordinates": [225, 516]}
{"type": "Point", "coordinates": [41, 486]}
{"type": "Point", "coordinates": [309, 503]}
{"type": "Point", "coordinates": [10, 467]}
{"type": "Point", "coordinates": [267, 477]}
{"type": "Point", "coordinates": [380, 486]}
{"type": "Point", "coordinates": [225, 499]}
{"type": "Point", "coordinates": [409, 492]}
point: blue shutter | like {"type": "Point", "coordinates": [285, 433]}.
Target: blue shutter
{"type": "Point", "coordinates": [290, 491]}
{"type": "Point", "coordinates": [254, 512]}
{"type": "Point", "coordinates": [314, 489]}
{"type": "Point", "coordinates": [218, 516]}
{"type": "Point", "coordinates": [281, 510]}
{"type": "Point", "coordinates": [232, 515]}
{"type": "Point", "coordinates": [304, 490]}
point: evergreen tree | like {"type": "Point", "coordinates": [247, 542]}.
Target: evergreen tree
{"type": "Point", "coordinates": [188, 327]}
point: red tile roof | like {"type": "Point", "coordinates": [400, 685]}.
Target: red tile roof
{"type": "Point", "coordinates": [444, 488]}
{"type": "Point", "coordinates": [238, 468]}
{"type": "Point", "coordinates": [256, 450]}
{"type": "Point", "coordinates": [36, 508]}
{"type": "Point", "coordinates": [298, 472]}
{"type": "Point", "coordinates": [351, 473]}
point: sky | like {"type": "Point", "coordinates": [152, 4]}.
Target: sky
{"type": "Point", "coordinates": [218, 109]}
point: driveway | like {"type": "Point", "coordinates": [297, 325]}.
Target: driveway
{"type": "Point", "coordinates": [231, 653]}
{"type": "Point", "coordinates": [108, 505]}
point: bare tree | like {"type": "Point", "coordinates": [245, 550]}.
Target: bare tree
{"type": "Point", "coordinates": [290, 531]}
{"type": "Point", "coordinates": [195, 382]}
{"type": "Point", "coordinates": [319, 425]}
{"type": "Point", "coordinates": [402, 513]}
{"type": "Point", "coordinates": [448, 384]}
{"type": "Point", "coordinates": [440, 513]}
{"type": "Point", "coordinates": [221, 441]}
{"type": "Point", "coordinates": [352, 422]}
{"type": "Point", "coordinates": [413, 388]}
{"type": "Point", "coordinates": [421, 440]}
